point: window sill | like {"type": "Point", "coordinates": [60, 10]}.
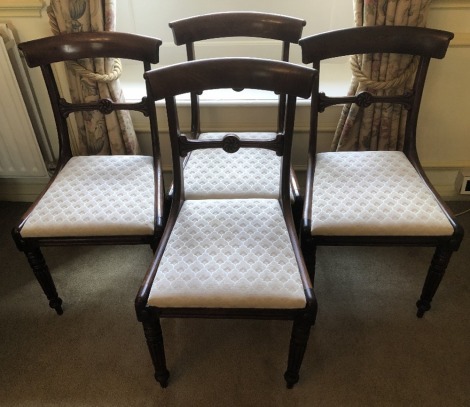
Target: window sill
{"type": "Point", "coordinates": [334, 81]}
{"type": "Point", "coordinates": [248, 110]}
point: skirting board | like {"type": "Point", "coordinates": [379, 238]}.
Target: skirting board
{"type": "Point", "coordinates": [21, 189]}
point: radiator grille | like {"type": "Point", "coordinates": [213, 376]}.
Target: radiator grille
{"type": "Point", "coordinates": [21, 130]}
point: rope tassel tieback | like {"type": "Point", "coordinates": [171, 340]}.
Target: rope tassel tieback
{"type": "Point", "coordinates": [97, 77]}
{"type": "Point", "coordinates": [400, 80]}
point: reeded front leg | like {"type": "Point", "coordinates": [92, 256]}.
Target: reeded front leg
{"type": "Point", "coordinates": [154, 337]}
{"type": "Point", "coordinates": [297, 347]}
{"type": "Point", "coordinates": [41, 271]}
{"type": "Point", "coordinates": [436, 271]}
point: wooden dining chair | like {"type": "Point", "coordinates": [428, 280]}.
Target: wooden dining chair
{"type": "Point", "coordinates": [377, 198]}
{"type": "Point", "coordinates": [243, 177]}
{"type": "Point", "coordinates": [96, 199]}
{"type": "Point", "coordinates": [228, 257]}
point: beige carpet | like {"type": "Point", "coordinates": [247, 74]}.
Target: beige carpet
{"type": "Point", "coordinates": [367, 348]}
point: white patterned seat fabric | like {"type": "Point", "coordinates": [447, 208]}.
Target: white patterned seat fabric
{"type": "Point", "coordinates": [97, 196]}
{"type": "Point", "coordinates": [232, 253]}
{"type": "Point", "coordinates": [251, 173]}
{"type": "Point", "coordinates": [373, 193]}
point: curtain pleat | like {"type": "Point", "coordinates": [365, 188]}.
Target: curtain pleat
{"type": "Point", "coordinates": [380, 126]}
{"type": "Point", "coordinates": [97, 133]}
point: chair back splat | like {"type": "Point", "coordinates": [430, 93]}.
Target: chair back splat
{"type": "Point", "coordinates": [92, 199]}
{"type": "Point", "coordinates": [377, 197]}
{"type": "Point", "coordinates": [228, 257]}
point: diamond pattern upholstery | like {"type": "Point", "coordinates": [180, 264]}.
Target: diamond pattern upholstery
{"type": "Point", "coordinates": [229, 254]}
{"type": "Point", "coordinates": [373, 193]}
{"type": "Point", "coordinates": [99, 196]}
{"type": "Point", "coordinates": [249, 173]}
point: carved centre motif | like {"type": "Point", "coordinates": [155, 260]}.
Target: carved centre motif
{"type": "Point", "coordinates": [105, 106]}
{"type": "Point", "coordinates": [231, 143]}
{"type": "Point", "coordinates": [364, 99]}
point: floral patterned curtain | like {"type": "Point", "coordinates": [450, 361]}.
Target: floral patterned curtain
{"type": "Point", "coordinates": [379, 127]}
{"type": "Point", "coordinates": [94, 79]}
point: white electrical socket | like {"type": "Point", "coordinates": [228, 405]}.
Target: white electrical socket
{"type": "Point", "coordinates": [462, 182]}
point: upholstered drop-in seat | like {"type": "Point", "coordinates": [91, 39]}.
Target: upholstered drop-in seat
{"type": "Point", "coordinates": [232, 253]}
{"type": "Point", "coordinates": [97, 196]}
{"type": "Point", "coordinates": [373, 193]}
{"type": "Point", "coordinates": [251, 173]}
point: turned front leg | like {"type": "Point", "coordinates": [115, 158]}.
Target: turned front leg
{"type": "Point", "coordinates": [436, 271]}
{"type": "Point", "coordinates": [41, 271]}
{"type": "Point", "coordinates": [154, 337]}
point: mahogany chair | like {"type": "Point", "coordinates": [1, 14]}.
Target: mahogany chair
{"type": "Point", "coordinates": [91, 200]}
{"type": "Point", "coordinates": [228, 257]}
{"type": "Point", "coordinates": [243, 177]}
{"type": "Point", "coordinates": [378, 198]}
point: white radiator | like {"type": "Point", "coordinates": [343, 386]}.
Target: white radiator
{"type": "Point", "coordinates": [24, 145]}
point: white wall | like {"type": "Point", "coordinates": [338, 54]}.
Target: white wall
{"type": "Point", "coordinates": [152, 18]}
{"type": "Point", "coordinates": [444, 126]}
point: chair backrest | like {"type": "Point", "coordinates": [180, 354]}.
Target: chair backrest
{"type": "Point", "coordinates": [44, 52]}
{"type": "Point", "coordinates": [278, 27]}
{"type": "Point", "coordinates": [225, 73]}
{"type": "Point", "coordinates": [423, 43]}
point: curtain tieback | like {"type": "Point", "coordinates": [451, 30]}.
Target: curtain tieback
{"type": "Point", "coordinates": [97, 77]}
{"type": "Point", "coordinates": [400, 80]}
